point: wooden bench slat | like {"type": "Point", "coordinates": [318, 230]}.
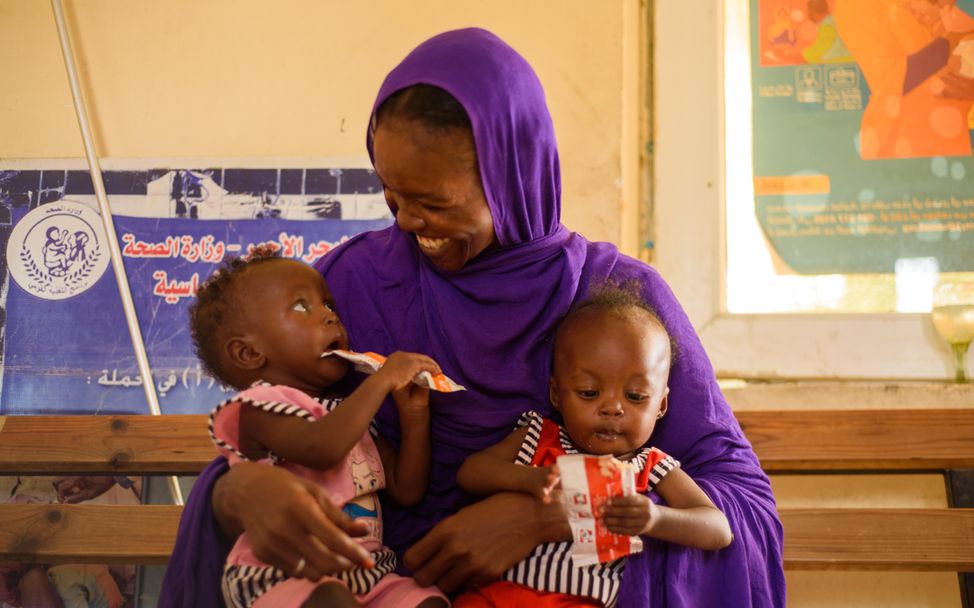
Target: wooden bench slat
{"type": "Point", "coordinates": [797, 440]}
{"type": "Point", "coordinates": [104, 445]}
{"type": "Point", "coordinates": [875, 440]}
{"type": "Point", "coordinates": [841, 539]}
{"type": "Point", "coordinates": [879, 539]}
{"type": "Point", "coordinates": [864, 440]}
{"type": "Point", "coordinates": [92, 534]}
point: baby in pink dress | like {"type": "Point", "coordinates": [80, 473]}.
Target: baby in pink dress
{"type": "Point", "coordinates": [261, 324]}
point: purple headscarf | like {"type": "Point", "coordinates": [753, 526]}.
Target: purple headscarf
{"type": "Point", "coordinates": [489, 325]}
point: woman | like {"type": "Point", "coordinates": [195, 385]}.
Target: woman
{"type": "Point", "coordinates": [476, 273]}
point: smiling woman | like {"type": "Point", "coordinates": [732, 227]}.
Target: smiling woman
{"type": "Point", "coordinates": [427, 162]}
{"type": "Point", "coordinates": [477, 273]}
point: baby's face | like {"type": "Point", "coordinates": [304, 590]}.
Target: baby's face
{"type": "Point", "coordinates": [609, 382]}
{"type": "Point", "coordinates": [290, 320]}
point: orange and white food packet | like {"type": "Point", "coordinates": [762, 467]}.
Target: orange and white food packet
{"type": "Point", "coordinates": [588, 482]}
{"type": "Point", "coordinates": [369, 363]}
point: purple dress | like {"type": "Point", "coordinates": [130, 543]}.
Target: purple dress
{"type": "Point", "coordinates": [489, 326]}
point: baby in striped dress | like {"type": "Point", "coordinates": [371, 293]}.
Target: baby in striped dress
{"type": "Point", "coordinates": [612, 359]}
{"type": "Point", "coordinates": [262, 324]}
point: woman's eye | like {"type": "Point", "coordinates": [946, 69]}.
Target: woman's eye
{"type": "Point", "coordinates": [329, 306]}
{"type": "Point", "coordinates": [300, 307]}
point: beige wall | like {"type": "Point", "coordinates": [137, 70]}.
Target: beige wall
{"type": "Point", "coordinates": [296, 78]}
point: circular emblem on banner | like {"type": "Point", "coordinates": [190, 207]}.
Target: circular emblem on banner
{"type": "Point", "coordinates": [58, 250]}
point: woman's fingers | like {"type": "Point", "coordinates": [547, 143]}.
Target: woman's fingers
{"type": "Point", "coordinates": [449, 568]}
{"type": "Point", "coordinates": [341, 519]}
{"type": "Point", "coordinates": [419, 556]}
{"type": "Point", "coordinates": [296, 520]}
{"type": "Point", "coordinates": [440, 558]}
{"type": "Point", "coordinates": [285, 548]}
{"type": "Point", "coordinates": [479, 542]}
{"type": "Point", "coordinates": [280, 554]}
{"type": "Point", "coordinates": [461, 573]}
{"type": "Point", "coordinates": [326, 563]}
{"type": "Point", "coordinates": [332, 527]}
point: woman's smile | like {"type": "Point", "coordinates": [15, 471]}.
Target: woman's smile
{"type": "Point", "coordinates": [431, 246]}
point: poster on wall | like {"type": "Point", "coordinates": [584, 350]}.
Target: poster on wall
{"type": "Point", "coordinates": [63, 335]}
{"type": "Point", "coordinates": [66, 346]}
{"type": "Point", "coordinates": [862, 130]}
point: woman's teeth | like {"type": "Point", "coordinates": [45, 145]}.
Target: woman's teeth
{"type": "Point", "coordinates": [431, 244]}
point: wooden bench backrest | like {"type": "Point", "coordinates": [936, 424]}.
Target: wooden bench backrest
{"type": "Point", "coordinates": [860, 440]}
{"type": "Point", "coordinates": [104, 445]}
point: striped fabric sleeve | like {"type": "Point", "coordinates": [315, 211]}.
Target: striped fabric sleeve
{"type": "Point", "coordinates": [659, 465]}
{"type": "Point", "coordinates": [529, 446]}
{"type": "Point", "coordinates": [231, 444]}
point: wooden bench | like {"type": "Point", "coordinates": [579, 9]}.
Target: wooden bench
{"type": "Point", "coordinates": [869, 440]}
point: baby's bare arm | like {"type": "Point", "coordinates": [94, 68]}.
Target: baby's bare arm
{"type": "Point", "coordinates": [407, 471]}
{"type": "Point", "coordinates": [320, 444]}
{"type": "Point", "coordinates": [323, 444]}
{"type": "Point", "coordinates": [494, 470]}
{"type": "Point", "coordinates": [690, 518]}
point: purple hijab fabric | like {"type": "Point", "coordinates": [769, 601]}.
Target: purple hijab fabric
{"type": "Point", "coordinates": [489, 326]}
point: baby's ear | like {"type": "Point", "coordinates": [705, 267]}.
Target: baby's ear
{"type": "Point", "coordinates": [553, 393]}
{"type": "Point", "coordinates": [664, 403]}
{"type": "Point", "coordinates": [242, 354]}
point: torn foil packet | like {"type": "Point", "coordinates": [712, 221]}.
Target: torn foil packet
{"type": "Point", "coordinates": [588, 482]}
{"type": "Point", "coordinates": [369, 363]}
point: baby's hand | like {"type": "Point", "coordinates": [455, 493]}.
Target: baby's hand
{"type": "Point", "coordinates": [629, 515]}
{"type": "Point", "coordinates": [548, 479]}
{"type": "Point", "coordinates": [401, 367]}
{"type": "Point", "coordinates": [411, 398]}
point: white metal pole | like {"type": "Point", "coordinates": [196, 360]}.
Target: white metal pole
{"type": "Point", "coordinates": [108, 224]}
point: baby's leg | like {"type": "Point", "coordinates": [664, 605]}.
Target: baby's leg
{"type": "Point", "coordinates": [331, 594]}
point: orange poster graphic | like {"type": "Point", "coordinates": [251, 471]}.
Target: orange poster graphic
{"type": "Point", "coordinates": [911, 56]}
{"type": "Point", "coordinates": [916, 57]}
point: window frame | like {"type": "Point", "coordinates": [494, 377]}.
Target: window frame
{"type": "Point", "coordinates": [690, 191]}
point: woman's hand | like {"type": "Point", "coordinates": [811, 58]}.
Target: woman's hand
{"type": "Point", "coordinates": [288, 519]}
{"type": "Point", "coordinates": [481, 541]}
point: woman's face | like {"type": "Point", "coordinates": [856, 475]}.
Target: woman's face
{"type": "Point", "coordinates": [432, 185]}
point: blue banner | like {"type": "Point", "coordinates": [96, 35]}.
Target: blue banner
{"type": "Point", "coordinates": [66, 346]}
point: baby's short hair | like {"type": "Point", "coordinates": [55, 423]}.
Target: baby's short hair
{"type": "Point", "coordinates": [214, 308]}
{"type": "Point", "coordinates": [616, 297]}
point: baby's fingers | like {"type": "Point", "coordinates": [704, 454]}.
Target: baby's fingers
{"type": "Point", "coordinates": [552, 481]}
{"type": "Point", "coordinates": [623, 511]}
{"type": "Point", "coordinates": [625, 527]}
